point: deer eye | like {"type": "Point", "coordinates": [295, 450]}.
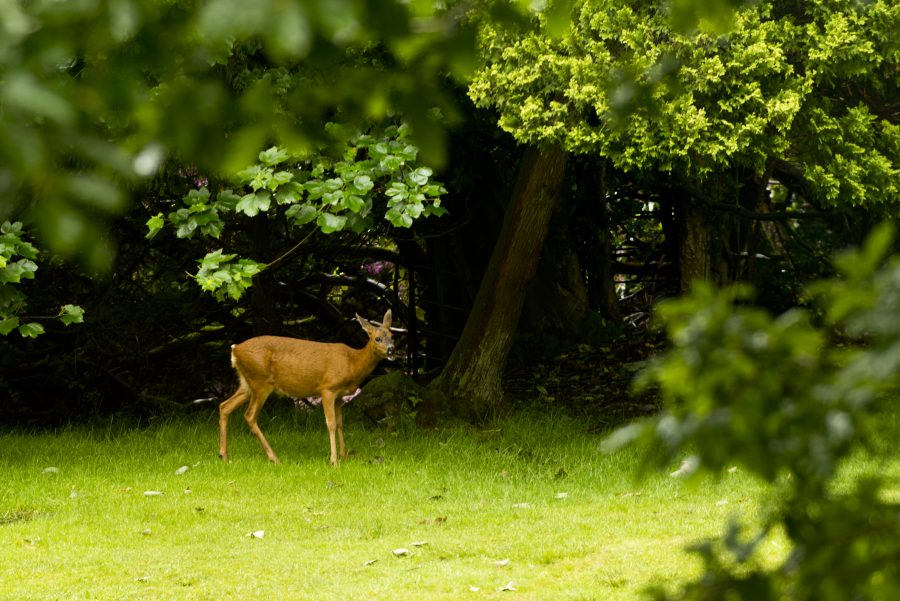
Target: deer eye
{"type": "Point", "coordinates": [378, 339]}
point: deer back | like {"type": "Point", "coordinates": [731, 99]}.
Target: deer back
{"type": "Point", "coordinates": [301, 367]}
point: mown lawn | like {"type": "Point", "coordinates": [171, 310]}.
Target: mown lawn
{"type": "Point", "coordinates": [533, 506]}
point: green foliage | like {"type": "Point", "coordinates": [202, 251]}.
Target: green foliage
{"type": "Point", "coordinates": [97, 95]}
{"type": "Point", "coordinates": [375, 174]}
{"type": "Point", "coordinates": [788, 400]}
{"type": "Point", "coordinates": [805, 85]}
{"type": "Point", "coordinates": [17, 263]}
{"type": "Point", "coordinates": [224, 277]}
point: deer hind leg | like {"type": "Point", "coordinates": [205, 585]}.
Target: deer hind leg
{"type": "Point", "coordinates": [258, 396]}
{"type": "Point", "coordinates": [331, 420]}
{"type": "Point", "coordinates": [239, 397]}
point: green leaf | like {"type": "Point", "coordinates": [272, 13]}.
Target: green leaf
{"type": "Point", "coordinates": [195, 197]}
{"type": "Point", "coordinates": [289, 193]}
{"type": "Point", "coordinates": [226, 200]}
{"type": "Point", "coordinates": [249, 267]}
{"type": "Point", "coordinates": [436, 210]}
{"type": "Point", "coordinates": [251, 204]}
{"type": "Point", "coordinates": [31, 330]}
{"type": "Point", "coordinates": [363, 183]}
{"type": "Point", "coordinates": [330, 223]}
{"type": "Point", "coordinates": [414, 209]}
{"type": "Point", "coordinates": [392, 163]}
{"type": "Point", "coordinates": [315, 189]}
{"type": "Point", "coordinates": [245, 176]}
{"type": "Point", "coordinates": [397, 190]}
{"type": "Point", "coordinates": [70, 314]}
{"type": "Point", "coordinates": [213, 227]}
{"type": "Point", "coordinates": [408, 153]}
{"type": "Point", "coordinates": [186, 228]}
{"type": "Point", "coordinates": [273, 156]}
{"type": "Point", "coordinates": [398, 217]}
{"type": "Point", "coordinates": [8, 325]}
{"type": "Point", "coordinates": [11, 227]}
{"type": "Point", "coordinates": [279, 178]}
{"type": "Point", "coordinates": [420, 176]}
{"type": "Point", "coordinates": [301, 214]}
{"type": "Point", "coordinates": [215, 258]}
{"type": "Point", "coordinates": [354, 203]}
{"type": "Point", "coordinates": [434, 190]}
{"type": "Point", "coordinates": [334, 199]}
{"type": "Point", "coordinates": [359, 222]}
{"type": "Point", "coordinates": [154, 225]}
{"type": "Point", "coordinates": [27, 250]}
{"type": "Point", "coordinates": [16, 271]}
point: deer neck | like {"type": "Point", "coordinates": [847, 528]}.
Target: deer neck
{"type": "Point", "coordinates": [366, 358]}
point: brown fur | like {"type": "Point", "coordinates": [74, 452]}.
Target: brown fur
{"type": "Point", "coordinates": [302, 368]}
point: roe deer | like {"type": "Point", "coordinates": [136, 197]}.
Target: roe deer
{"type": "Point", "coordinates": [302, 368]}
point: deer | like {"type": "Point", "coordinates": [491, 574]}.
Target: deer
{"type": "Point", "coordinates": [303, 368]}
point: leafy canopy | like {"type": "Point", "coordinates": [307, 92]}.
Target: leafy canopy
{"type": "Point", "coordinates": [811, 86]}
{"type": "Point", "coordinates": [375, 175]}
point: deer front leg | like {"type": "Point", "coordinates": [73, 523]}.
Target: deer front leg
{"type": "Point", "coordinates": [339, 426]}
{"type": "Point", "coordinates": [328, 402]}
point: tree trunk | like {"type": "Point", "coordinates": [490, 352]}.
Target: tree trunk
{"type": "Point", "coordinates": [694, 244]}
{"type": "Point", "coordinates": [470, 380]}
{"type": "Point", "coordinates": [556, 304]}
{"type": "Point", "coordinates": [601, 287]}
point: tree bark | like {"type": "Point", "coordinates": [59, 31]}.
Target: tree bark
{"type": "Point", "coordinates": [694, 243]}
{"type": "Point", "coordinates": [556, 303]}
{"type": "Point", "coordinates": [470, 381]}
{"type": "Point", "coordinates": [601, 287]}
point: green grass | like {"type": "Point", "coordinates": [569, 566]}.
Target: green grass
{"type": "Point", "coordinates": [571, 522]}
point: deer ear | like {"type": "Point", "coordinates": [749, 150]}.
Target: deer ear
{"type": "Point", "coordinates": [386, 322]}
{"type": "Point", "coordinates": [365, 324]}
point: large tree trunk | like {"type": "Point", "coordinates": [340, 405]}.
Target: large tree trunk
{"type": "Point", "coordinates": [694, 242]}
{"type": "Point", "coordinates": [470, 380]}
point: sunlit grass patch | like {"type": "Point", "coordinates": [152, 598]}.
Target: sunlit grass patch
{"type": "Point", "coordinates": [533, 505]}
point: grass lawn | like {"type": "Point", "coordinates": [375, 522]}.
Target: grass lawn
{"type": "Point", "coordinates": [533, 506]}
